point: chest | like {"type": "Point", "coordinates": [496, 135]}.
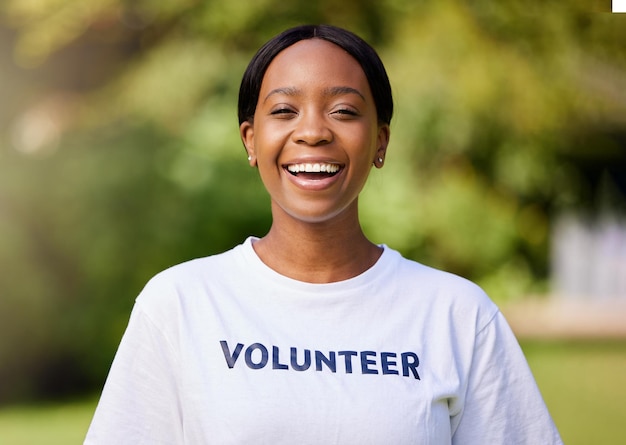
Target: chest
{"type": "Point", "coordinates": [273, 383]}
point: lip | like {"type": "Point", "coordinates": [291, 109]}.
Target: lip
{"type": "Point", "coordinates": [307, 180]}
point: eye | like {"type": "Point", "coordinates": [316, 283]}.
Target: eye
{"type": "Point", "coordinates": [344, 113]}
{"type": "Point", "coordinates": [282, 112]}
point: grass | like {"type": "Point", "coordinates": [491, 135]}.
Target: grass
{"type": "Point", "coordinates": [49, 424]}
{"type": "Point", "coordinates": [583, 384]}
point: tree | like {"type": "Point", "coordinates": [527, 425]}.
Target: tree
{"type": "Point", "coordinates": [119, 149]}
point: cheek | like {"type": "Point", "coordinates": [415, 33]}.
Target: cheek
{"type": "Point", "coordinates": [267, 149]}
{"type": "Point", "coordinates": [269, 140]}
{"type": "Point", "coordinates": [367, 143]}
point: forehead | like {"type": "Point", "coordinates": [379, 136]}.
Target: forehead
{"type": "Point", "coordinates": [311, 63]}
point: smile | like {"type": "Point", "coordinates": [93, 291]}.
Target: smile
{"type": "Point", "coordinates": [327, 169]}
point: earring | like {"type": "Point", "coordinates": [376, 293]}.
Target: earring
{"type": "Point", "coordinates": [249, 158]}
{"type": "Point", "coordinates": [380, 160]}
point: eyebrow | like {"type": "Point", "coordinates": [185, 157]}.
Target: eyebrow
{"type": "Point", "coordinates": [329, 92]}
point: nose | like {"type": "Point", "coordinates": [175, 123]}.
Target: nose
{"type": "Point", "coordinates": [312, 129]}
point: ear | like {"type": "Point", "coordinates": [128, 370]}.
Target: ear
{"type": "Point", "coordinates": [246, 131]}
{"type": "Point", "coordinates": [384, 133]}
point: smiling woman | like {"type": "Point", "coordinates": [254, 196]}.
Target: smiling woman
{"type": "Point", "coordinates": [312, 333]}
{"type": "Point", "coordinates": [315, 108]}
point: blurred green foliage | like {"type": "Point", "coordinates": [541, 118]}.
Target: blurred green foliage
{"type": "Point", "coordinates": [120, 154]}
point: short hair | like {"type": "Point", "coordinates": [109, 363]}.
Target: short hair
{"type": "Point", "coordinates": [364, 54]}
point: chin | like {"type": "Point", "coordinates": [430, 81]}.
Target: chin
{"type": "Point", "coordinates": [320, 216]}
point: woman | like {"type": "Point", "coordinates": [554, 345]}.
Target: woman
{"type": "Point", "coordinates": [313, 334]}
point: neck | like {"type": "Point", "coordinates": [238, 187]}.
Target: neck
{"type": "Point", "coordinates": [321, 252]}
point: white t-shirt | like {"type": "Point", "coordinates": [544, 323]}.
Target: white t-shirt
{"type": "Point", "coordinates": [224, 350]}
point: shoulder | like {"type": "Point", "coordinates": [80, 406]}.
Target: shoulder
{"type": "Point", "coordinates": [445, 291]}
{"type": "Point", "coordinates": [208, 268]}
{"type": "Point", "coordinates": [181, 284]}
{"type": "Point", "coordinates": [415, 274]}
{"type": "Point", "coordinates": [196, 269]}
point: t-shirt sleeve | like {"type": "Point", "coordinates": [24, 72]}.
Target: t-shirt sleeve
{"type": "Point", "coordinates": [139, 402]}
{"type": "Point", "coordinates": [503, 404]}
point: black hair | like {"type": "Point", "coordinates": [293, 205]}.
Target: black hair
{"type": "Point", "coordinates": [364, 54]}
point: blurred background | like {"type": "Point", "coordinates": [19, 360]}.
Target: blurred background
{"type": "Point", "coordinates": [120, 156]}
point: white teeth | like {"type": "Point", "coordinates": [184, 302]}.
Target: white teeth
{"type": "Point", "coordinates": [313, 168]}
